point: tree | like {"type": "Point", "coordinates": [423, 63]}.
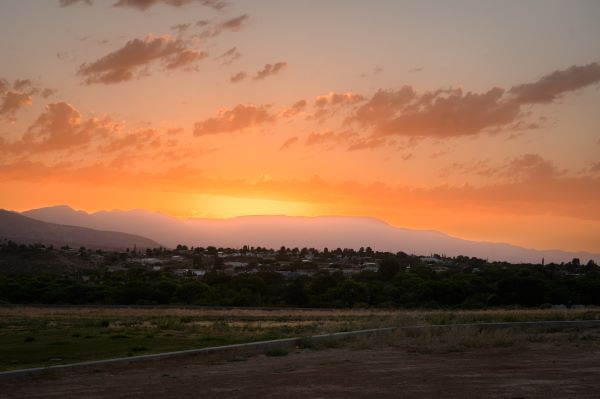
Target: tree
{"type": "Point", "coordinates": [388, 268]}
{"type": "Point", "coordinates": [296, 294]}
{"type": "Point", "coordinates": [191, 292]}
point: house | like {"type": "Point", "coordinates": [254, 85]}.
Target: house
{"type": "Point", "coordinates": [431, 259]}
{"type": "Point", "coordinates": [233, 264]}
{"type": "Point", "coordinates": [147, 261]}
{"type": "Point", "coordinates": [370, 266]}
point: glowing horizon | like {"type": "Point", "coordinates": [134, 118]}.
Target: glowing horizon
{"type": "Point", "coordinates": [219, 109]}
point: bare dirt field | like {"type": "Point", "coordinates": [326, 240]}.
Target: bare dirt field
{"type": "Point", "coordinates": [532, 370]}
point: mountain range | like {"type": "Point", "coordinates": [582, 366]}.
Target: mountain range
{"type": "Point", "coordinates": [25, 230]}
{"type": "Point", "coordinates": [294, 231]}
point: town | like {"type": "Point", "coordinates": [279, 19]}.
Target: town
{"type": "Point", "coordinates": [305, 277]}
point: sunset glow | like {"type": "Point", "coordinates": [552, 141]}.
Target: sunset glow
{"type": "Point", "coordinates": [481, 123]}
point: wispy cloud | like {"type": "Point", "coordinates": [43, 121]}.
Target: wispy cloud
{"type": "Point", "coordinates": [232, 25]}
{"type": "Point", "coordinates": [294, 110]}
{"type": "Point", "coordinates": [270, 70]}
{"type": "Point", "coordinates": [551, 87]}
{"type": "Point", "coordinates": [288, 143]}
{"type": "Point", "coordinates": [229, 56]}
{"type": "Point", "coordinates": [143, 5]}
{"type": "Point", "coordinates": [135, 56]}
{"type": "Point", "coordinates": [238, 118]}
{"type": "Point", "coordinates": [238, 77]}
{"type": "Point", "coordinates": [66, 3]}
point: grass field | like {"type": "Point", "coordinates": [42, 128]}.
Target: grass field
{"type": "Point", "coordinates": [41, 336]}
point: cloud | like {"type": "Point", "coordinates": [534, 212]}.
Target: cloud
{"type": "Point", "coordinates": [374, 72]}
{"type": "Point", "coordinates": [384, 104]}
{"type": "Point", "coordinates": [338, 99]}
{"type": "Point", "coordinates": [595, 167]}
{"type": "Point", "coordinates": [451, 113]}
{"type": "Point", "coordinates": [529, 167]}
{"type": "Point", "coordinates": [137, 54]}
{"type": "Point", "coordinates": [229, 56]}
{"type": "Point", "coordinates": [237, 77]}
{"type": "Point", "coordinates": [12, 101]}
{"type": "Point", "coordinates": [551, 87]}
{"type": "Point", "coordinates": [438, 154]}
{"type": "Point", "coordinates": [185, 58]}
{"type": "Point", "coordinates": [369, 144]}
{"type": "Point", "coordinates": [180, 28]}
{"type": "Point", "coordinates": [59, 127]}
{"type": "Point", "coordinates": [447, 113]}
{"type": "Point", "coordinates": [134, 140]}
{"type": "Point", "coordinates": [442, 113]}
{"type": "Point", "coordinates": [348, 139]}
{"type": "Point", "coordinates": [234, 24]}
{"type": "Point", "coordinates": [270, 70]}
{"type": "Point", "coordinates": [238, 118]}
{"type": "Point", "coordinates": [62, 128]}
{"type": "Point", "coordinates": [288, 143]}
{"type": "Point", "coordinates": [45, 93]}
{"type": "Point", "coordinates": [329, 138]}
{"type": "Point", "coordinates": [143, 5]}
{"type": "Point", "coordinates": [329, 104]}
{"type": "Point", "coordinates": [20, 95]}
{"type": "Point", "coordinates": [265, 72]}
{"type": "Point", "coordinates": [294, 110]}
{"type": "Point", "coordinates": [22, 84]}
{"type": "Point", "coordinates": [65, 3]}
{"type": "Point", "coordinates": [520, 169]}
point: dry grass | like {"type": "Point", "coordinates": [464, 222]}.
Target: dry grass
{"type": "Point", "coordinates": [33, 336]}
{"type": "Point", "coordinates": [33, 311]}
{"type": "Point", "coordinates": [398, 317]}
{"type": "Point", "coordinates": [459, 339]}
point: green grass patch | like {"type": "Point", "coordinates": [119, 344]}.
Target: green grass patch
{"type": "Point", "coordinates": [33, 337]}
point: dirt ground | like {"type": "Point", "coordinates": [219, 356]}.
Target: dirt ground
{"type": "Point", "coordinates": [535, 371]}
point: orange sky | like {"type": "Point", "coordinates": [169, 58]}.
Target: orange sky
{"type": "Point", "coordinates": [477, 119]}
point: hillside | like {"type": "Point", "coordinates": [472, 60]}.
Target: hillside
{"type": "Point", "coordinates": [22, 229]}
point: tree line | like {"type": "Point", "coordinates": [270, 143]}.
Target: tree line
{"type": "Point", "coordinates": [393, 285]}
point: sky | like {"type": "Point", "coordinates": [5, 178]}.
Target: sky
{"type": "Point", "coordinates": [479, 119]}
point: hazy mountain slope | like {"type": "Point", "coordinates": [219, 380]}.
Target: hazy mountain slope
{"type": "Point", "coordinates": [22, 229]}
{"type": "Point", "coordinates": [164, 229]}
{"type": "Point", "coordinates": [318, 232]}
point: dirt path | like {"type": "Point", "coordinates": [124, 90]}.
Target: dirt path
{"type": "Point", "coordinates": [533, 372]}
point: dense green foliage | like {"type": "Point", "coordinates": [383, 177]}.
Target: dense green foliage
{"type": "Point", "coordinates": [394, 285]}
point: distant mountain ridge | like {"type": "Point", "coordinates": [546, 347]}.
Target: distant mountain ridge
{"type": "Point", "coordinates": [292, 231]}
{"type": "Point", "coordinates": [22, 229]}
